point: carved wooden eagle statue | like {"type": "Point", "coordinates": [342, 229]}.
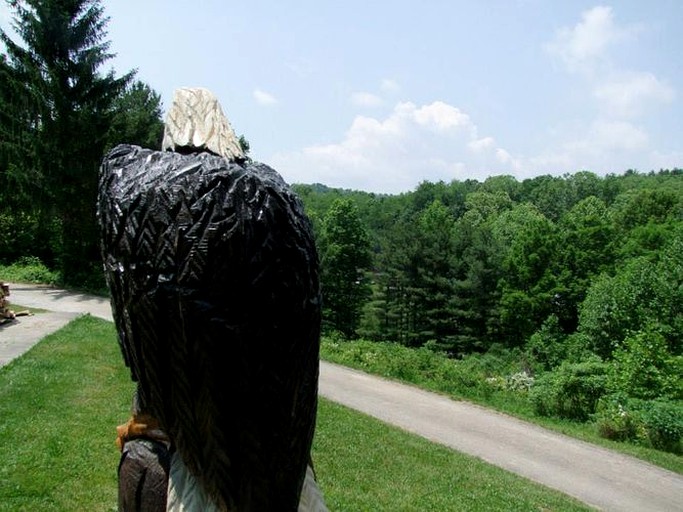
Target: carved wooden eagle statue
{"type": "Point", "coordinates": [213, 274]}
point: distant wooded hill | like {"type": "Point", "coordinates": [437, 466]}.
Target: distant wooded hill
{"type": "Point", "coordinates": [466, 264]}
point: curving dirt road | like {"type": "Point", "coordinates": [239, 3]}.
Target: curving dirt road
{"type": "Point", "coordinates": [598, 477]}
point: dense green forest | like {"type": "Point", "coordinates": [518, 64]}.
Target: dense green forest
{"type": "Point", "coordinates": [468, 264]}
{"type": "Point", "coordinates": [579, 277]}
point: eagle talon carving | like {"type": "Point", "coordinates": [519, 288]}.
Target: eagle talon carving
{"type": "Point", "coordinates": [213, 274]}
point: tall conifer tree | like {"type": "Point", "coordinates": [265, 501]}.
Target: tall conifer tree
{"type": "Point", "coordinates": [66, 105]}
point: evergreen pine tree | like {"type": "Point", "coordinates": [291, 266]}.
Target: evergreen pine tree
{"type": "Point", "coordinates": [66, 104]}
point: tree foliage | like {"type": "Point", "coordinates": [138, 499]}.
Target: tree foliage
{"type": "Point", "coordinates": [573, 391]}
{"type": "Point", "coordinates": [645, 368]}
{"type": "Point", "coordinates": [526, 241]}
{"type": "Point", "coordinates": [60, 112]}
{"type": "Point", "coordinates": [641, 293]}
{"type": "Point", "coordinates": [136, 118]}
{"type": "Point", "coordinates": [432, 277]}
{"type": "Point", "coordinates": [345, 256]}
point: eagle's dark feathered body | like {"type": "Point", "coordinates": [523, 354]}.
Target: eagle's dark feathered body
{"type": "Point", "coordinates": [213, 273]}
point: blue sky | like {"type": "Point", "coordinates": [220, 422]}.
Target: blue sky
{"type": "Point", "coordinates": [381, 95]}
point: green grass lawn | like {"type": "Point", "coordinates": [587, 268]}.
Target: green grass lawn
{"type": "Point", "coordinates": [60, 404]}
{"type": "Point", "coordinates": [365, 465]}
{"type": "Point", "coordinates": [59, 407]}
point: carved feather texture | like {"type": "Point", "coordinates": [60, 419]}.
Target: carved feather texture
{"type": "Point", "coordinates": [213, 273]}
{"type": "Point", "coordinates": [196, 122]}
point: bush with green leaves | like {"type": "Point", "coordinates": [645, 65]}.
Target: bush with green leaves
{"type": "Point", "coordinates": [16, 235]}
{"type": "Point", "coordinates": [663, 422]}
{"type": "Point", "coordinates": [520, 382]}
{"type": "Point", "coordinates": [422, 366]}
{"type": "Point", "coordinates": [643, 367]}
{"type": "Point", "coordinates": [642, 293]}
{"type": "Point", "coordinates": [571, 391]}
{"type": "Point", "coordinates": [658, 423]}
{"type": "Point", "coordinates": [29, 269]}
{"type": "Point", "coordinates": [619, 418]}
{"type": "Point", "coordinates": [497, 360]}
{"type": "Point", "coordinates": [549, 346]}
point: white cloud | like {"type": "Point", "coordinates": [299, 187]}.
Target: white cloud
{"type": "Point", "coordinates": [412, 144]}
{"type": "Point", "coordinates": [632, 94]}
{"type": "Point", "coordinates": [615, 139]}
{"type": "Point", "coordinates": [587, 44]}
{"type": "Point", "coordinates": [366, 99]}
{"type": "Point", "coordinates": [439, 116]}
{"type": "Point", "coordinates": [438, 141]}
{"type": "Point", "coordinates": [505, 158]}
{"type": "Point", "coordinates": [264, 98]}
{"type": "Point", "coordinates": [551, 161]}
{"type": "Point", "coordinates": [483, 144]}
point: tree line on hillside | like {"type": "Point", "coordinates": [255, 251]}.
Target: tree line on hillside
{"type": "Point", "coordinates": [467, 264]}
{"type": "Point", "coordinates": [60, 111]}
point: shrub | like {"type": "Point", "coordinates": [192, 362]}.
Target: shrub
{"type": "Point", "coordinates": [644, 368]}
{"type": "Point", "coordinates": [29, 269]}
{"type": "Point", "coordinates": [571, 391]}
{"type": "Point", "coordinates": [497, 361]}
{"type": "Point", "coordinates": [663, 420]}
{"type": "Point", "coordinates": [16, 235]}
{"type": "Point", "coordinates": [641, 292]}
{"type": "Point", "coordinates": [619, 418]}
{"type": "Point", "coordinates": [418, 366]}
{"type": "Point", "coordinates": [519, 382]}
{"type": "Point", "coordinates": [579, 347]}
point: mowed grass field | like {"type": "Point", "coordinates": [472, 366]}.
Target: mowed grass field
{"type": "Point", "coordinates": [60, 404]}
